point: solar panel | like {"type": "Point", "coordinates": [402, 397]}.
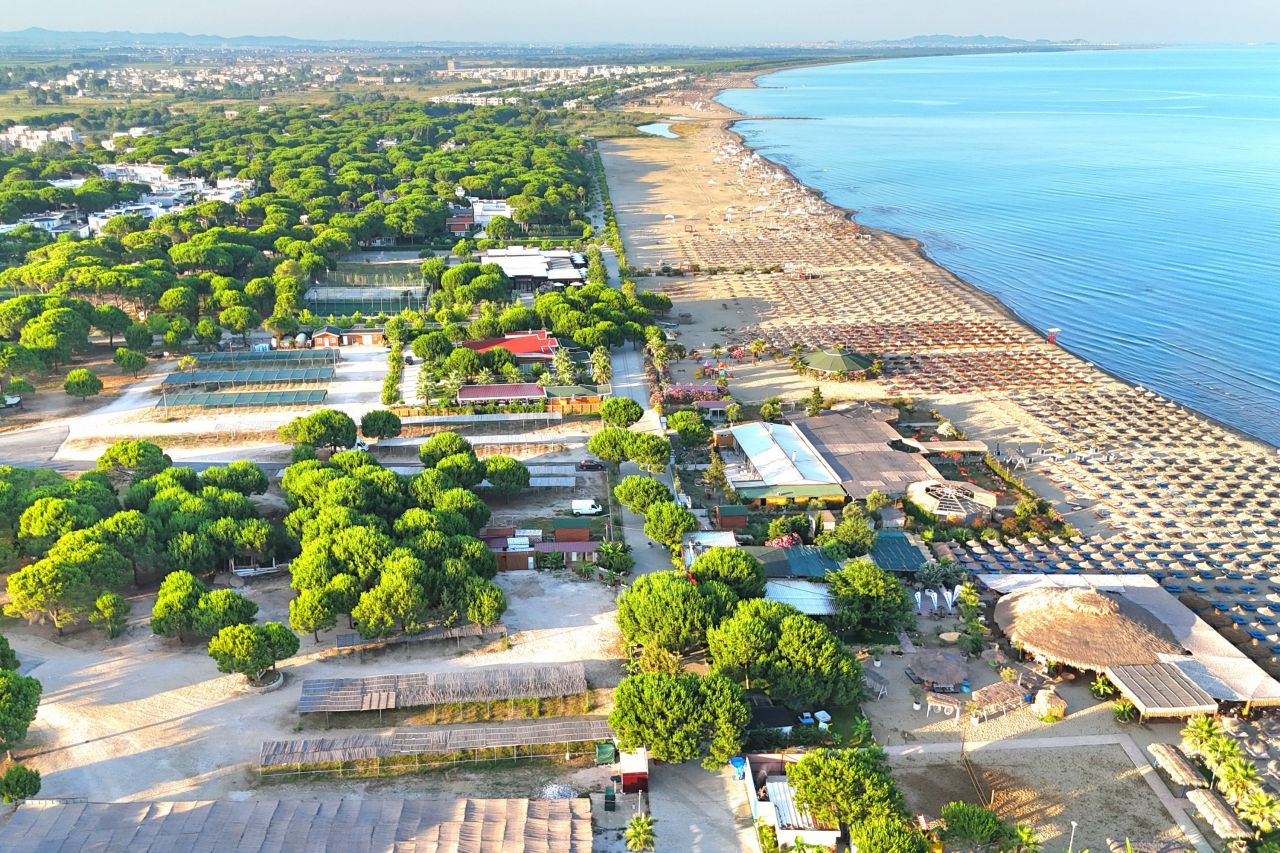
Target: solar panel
{"type": "Point", "coordinates": [242, 399]}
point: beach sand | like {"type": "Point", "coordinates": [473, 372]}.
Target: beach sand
{"type": "Point", "coordinates": [758, 255]}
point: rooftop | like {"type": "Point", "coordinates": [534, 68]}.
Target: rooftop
{"type": "Point", "coordinates": [778, 454]}
{"type": "Point", "coordinates": [810, 598]}
{"type": "Point", "coordinates": [802, 561]}
{"type": "Point", "coordinates": [791, 815]}
{"type": "Point", "coordinates": [535, 344]}
{"type": "Point", "coordinates": [894, 551]}
{"type": "Point", "coordinates": [512, 391]}
{"type": "Point", "coordinates": [330, 826]}
{"type": "Point", "coordinates": [855, 443]}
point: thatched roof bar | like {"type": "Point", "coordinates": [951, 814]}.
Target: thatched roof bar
{"type": "Point", "coordinates": [1083, 628]}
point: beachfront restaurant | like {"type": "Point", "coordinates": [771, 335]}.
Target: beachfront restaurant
{"type": "Point", "coordinates": [1157, 652]}
{"type": "Point", "coordinates": [775, 465]}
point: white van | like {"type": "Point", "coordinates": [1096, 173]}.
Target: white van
{"type": "Point", "coordinates": [587, 508]}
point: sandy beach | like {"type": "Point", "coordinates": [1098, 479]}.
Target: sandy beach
{"type": "Point", "coordinates": [751, 254]}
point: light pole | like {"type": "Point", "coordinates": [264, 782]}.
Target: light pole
{"type": "Point", "coordinates": [1072, 843]}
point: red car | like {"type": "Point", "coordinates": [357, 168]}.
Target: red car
{"type": "Point", "coordinates": [590, 465]}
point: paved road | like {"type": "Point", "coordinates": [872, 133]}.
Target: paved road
{"type": "Point", "coordinates": [34, 447]}
{"type": "Point", "coordinates": [629, 379]}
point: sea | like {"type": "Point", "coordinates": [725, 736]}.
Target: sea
{"type": "Point", "coordinates": [1130, 198]}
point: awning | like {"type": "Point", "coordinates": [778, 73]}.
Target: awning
{"type": "Point", "coordinates": [1161, 690]}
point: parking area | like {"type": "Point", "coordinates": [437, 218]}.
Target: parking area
{"type": "Point", "coordinates": [699, 812]}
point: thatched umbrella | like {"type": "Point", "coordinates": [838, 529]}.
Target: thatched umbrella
{"type": "Point", "coordinates": [939, 667]}
{"type": "Point", "coordinates": [1083, 628]}
{"type": "Point", "coordinates": [1219, 815]}
{"type": "Point", "coordinates": [1173, 762]}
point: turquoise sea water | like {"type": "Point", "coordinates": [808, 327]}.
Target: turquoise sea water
{"type": "Point", "coordinates": [1131, 198]}
{"type": "Point", "coordinates": [658, 128]}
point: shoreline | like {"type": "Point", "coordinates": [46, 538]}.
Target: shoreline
{"type": "Point", "coordinates": [993, 302]}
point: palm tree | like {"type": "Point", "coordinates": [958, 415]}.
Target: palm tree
{"type": "Point", "coordinates": [1237, 779]}
{"type": "Point", "coordinates": [639, 833]}
{"type": "Point", "coordinates": [757, 347]}
{"type": "Point", "coordinates": [1260, 809]}
{"type": "Point", "coordinates": [1219, 750]}
{"type": "Point", "coordinates": [601, 366]}
{"type": "Point", "coordinates": [1198, 731]}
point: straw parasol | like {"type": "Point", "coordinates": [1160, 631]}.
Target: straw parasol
{"type": "Point", "coordinates": [1220, 816]}
{"type": "Point", "coordinates": [1084, 628]}
{"type": "Point", "coordinates": [1173, 762]}
{"type": "Point", "coordinates": [939, 667]}
{"type": "Point", "coordinates": [835, 361]}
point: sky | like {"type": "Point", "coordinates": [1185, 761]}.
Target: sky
{"type": "Point", "coordinates": [718, 22]}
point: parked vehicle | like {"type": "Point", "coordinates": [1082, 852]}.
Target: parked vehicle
{"type": "Point", "coordinates": [587, 508]}
{"type": "Point", "coordinates": [590, 465]}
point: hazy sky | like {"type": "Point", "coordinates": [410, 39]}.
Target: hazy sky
{"type": "Point", "coordinates": [670, 21]}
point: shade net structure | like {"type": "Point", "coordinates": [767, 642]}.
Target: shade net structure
{"type": "Point", "coordinates": [433, 740]}
{"type": "Point", "coordinates": [482, 684]}
{"type": "Point", "coordinates": [435, 634]}
{"type": "Point", "coordinates": [240, 399]}
{"type": "Point", "coordinates": [251, 376]}
{"type": "Point", "coordinates": [275, 357]}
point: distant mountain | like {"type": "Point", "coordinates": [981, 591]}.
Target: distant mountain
{"type": "Point", "coordinates": [950, 41]}
{"type": "Point", "coordinates": [39, 37]}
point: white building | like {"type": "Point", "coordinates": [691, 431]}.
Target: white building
{"type": "Point", "coordinates": [529, 267]}
{"type": "Point", "coordinates": [773, 802]}
{"type": "Point", "coordinates": [24, 136]}
{"type": "Point", "coordinates": [485, 209]}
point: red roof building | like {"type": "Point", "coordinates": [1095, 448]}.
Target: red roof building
{"type": "Point", "coordinates": [495, 393]}
{"type": "Point", "coordinates": [539, 345]}
{"type": "Point", "coordinates": [460, 222]}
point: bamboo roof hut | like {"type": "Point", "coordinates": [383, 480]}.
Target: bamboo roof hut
{"type": "Point", "coordinates": [1220, 816]}
{"type": "Point", "coordinates": [1084, 628]}
{"type": "Point", "coordinates": [939, 667]}
{"type": "Point", "coordinates": [1172, 761]}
